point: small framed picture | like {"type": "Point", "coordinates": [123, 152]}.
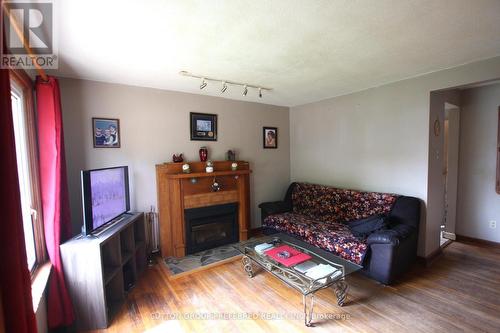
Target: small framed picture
{"type": "Point", "coordinates": [203, 126]}
{"type": "Point", "coordinates": [270, 137]}
{"type": "Point", "coordinates": [106, 132]}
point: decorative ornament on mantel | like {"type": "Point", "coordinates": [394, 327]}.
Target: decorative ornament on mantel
{"type": "Point", "coordinates": [178, 158]}
{"type": "Point", "coordinates": [231, 155]}
{"type": "Point", "coordinates": [210, 167]}
{"type": "Point", "coordinates": [203, 154]}
{"type": "Point", "coordinates": [186, 168]}
{"type": "Point", "coordinates": [216, 186]}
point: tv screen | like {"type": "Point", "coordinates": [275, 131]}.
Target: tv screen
{"type": "Point", "coordinates": [105, 196]}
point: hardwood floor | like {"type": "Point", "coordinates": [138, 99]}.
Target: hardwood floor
{"type": "Point", "coordinates": [460, 292]}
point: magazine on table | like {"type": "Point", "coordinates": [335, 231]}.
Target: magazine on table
{"type": "Point", "coordinates": [287, 255]}
{"type": "Point", "coordinates": [305, 266]}
{"type": "Point", "coordinates": [322, 271]}
{"type": "Point", "coordinates": [260, 248]}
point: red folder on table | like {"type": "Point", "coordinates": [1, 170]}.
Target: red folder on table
{"type": "Point", "coordinates": [296, 257]}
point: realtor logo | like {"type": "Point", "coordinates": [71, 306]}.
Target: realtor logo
{"type": "Point", "coordinates": [28, 29]}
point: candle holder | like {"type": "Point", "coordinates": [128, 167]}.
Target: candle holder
{"type": "Point", "coordinates": [186, 168]}
{"type": "Point", "coordinates": [210, 167]}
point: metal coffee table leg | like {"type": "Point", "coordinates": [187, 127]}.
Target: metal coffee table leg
{"type": "Point", "coordinates": [308, 315]}
{"type": "Point", "coordinates": [247, 265]}
{"type": "Point", "coordinates": [340, 288]}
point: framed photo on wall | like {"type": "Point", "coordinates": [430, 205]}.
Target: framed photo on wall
{"type": "Point", "coordinates": [203, 126]}
{"type": "Point", "coordinates": [106, 132]}
{"type": "Point", "coordinates": [270, 137]}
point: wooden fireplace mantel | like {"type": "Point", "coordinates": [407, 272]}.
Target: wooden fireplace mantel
{"type": "Point", "coordinates": [178, 191]}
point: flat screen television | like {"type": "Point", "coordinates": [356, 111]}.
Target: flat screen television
{"type": "Point", "coordinates": [105, 195]}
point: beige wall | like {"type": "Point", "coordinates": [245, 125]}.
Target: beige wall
{"type": "Point", "coordinates": [478, 202]}
{"type": "Point", "coordinates": [155, 124]}
{"type": "Point", "coordinates": [378, 139]}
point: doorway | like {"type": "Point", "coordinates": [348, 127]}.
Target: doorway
{"type": "Point", "coordinates": [450, 173]}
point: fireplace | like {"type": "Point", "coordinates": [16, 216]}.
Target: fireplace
{"type": "Point", "coordinates": [211, 226]}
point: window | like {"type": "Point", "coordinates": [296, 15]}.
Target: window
{"type": "Point", "coordinates": [27, 167]}
{"type": "Point", "coordinates": [24, 178]}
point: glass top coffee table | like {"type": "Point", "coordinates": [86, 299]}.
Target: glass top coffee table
{"type": "Point", "coordinates": [299, 280]}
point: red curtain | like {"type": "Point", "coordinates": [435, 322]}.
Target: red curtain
{"type": "Point", "coordinates": [55, 200]}
{"type": "Point", "coordinates": [15, 280]}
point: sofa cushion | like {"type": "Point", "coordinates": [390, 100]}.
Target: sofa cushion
{"type": "Point", "coordinates": [333, 237]}
{"type": "Point", "coordinates": [329, 204]}
{"type": "Point", "coordinates": [364, 227]}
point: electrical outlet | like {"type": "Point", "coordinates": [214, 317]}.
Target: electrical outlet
{"type": "Point", "coordinates": [493, 224]}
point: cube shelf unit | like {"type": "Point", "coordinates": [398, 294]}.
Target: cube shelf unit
{"type": "Point", "coordinates": [100, 270]}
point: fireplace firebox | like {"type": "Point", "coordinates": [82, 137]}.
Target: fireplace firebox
{"type": "Point", "coordinates": [211, 226]}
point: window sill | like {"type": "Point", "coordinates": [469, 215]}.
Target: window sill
{"type": "Point", "coordinates": [39, 283]}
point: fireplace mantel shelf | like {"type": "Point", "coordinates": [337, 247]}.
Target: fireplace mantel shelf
{"type": "Point", "coordinates": [208, 174]}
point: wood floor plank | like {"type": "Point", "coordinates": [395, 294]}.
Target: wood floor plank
{"type": "Point", "coordinates": [460, 292]}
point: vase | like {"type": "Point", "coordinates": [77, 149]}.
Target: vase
{"type": "Point", "coordinates": [203, 154]}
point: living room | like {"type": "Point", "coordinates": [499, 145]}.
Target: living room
{"type": "Point", "coordinates": [284, 166]}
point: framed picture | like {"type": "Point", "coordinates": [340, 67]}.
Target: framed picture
{"type": "Point", "coordinates": [203, 126]}
{"type": "Point", "coordinates": [106, 132]}
{"type": "Point", "coordinates": [270, 137]}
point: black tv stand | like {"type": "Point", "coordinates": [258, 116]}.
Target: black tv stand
{"type": "Point", "coordinates": [99, 271]}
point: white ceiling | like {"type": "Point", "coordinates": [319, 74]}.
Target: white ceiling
{"type": "Point", "coordinates": [307, 50]}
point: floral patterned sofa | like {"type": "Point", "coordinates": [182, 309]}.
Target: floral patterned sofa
{"type": "Point", "coordinates": [320, 215]}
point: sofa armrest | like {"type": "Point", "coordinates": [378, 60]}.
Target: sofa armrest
{"type": "Point", "coordinates": [275, 207]}
{"type": "Point", "coordinates": [406, 210]}
{"type": "Point", "coordinates": [392, 252]}
{"type": "Point", "coordinates": [391, 236]}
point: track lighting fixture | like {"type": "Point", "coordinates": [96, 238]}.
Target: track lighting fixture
{"type": "Point", "coordinates": [225, 83]}
{"type": "Point", "coordinates": [203, 83]}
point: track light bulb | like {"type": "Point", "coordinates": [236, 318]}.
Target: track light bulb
{"type": "Point", "coordinates": [224, 87]}
{"type": "Point", "coordinates": [245, 90]}
{"type": "Point", "coordinates": [260, 92]}
{"type": "Point", "coordinates": [203, 83]}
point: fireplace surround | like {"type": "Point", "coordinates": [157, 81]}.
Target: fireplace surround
{"type": "Point", "coordinates": [179, 191]}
